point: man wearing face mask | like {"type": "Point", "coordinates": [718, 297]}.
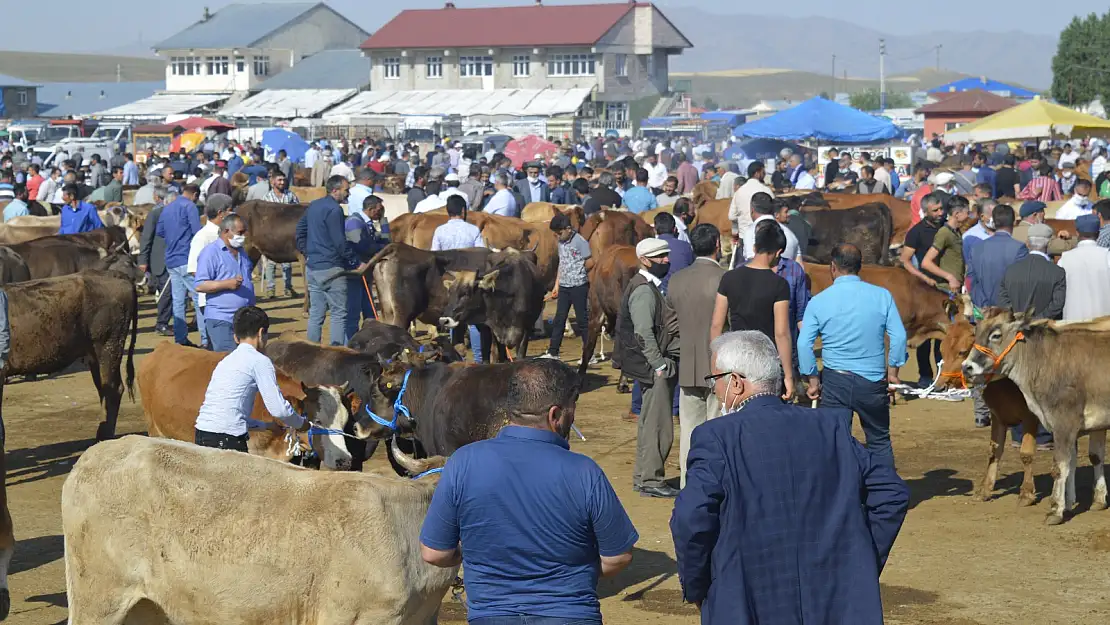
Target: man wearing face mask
{"type": "Point", "coordinates": [533, 188]}
{"type": "Point", "coordinates": [733, 562]}
{"type": "Point", "coordinates": [223, 275]}
{"type": "Point", "coordinates": [852, 317]}
{"type": "Point", "coordinates": [646, 346]}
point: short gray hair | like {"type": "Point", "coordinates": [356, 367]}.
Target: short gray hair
{"type": "Point", "coordinates": [606, 179]}
{"type": "Point", "coordinates": [502, 179]}
{"type": "Point", "coordinates": [229, 222]}
{"type": "Point", "coordinates": [1038, 244]}
{"type": "Point", "coordinates": [751, 354]}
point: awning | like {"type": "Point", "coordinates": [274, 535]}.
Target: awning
{"type": "Point", "coordinates": [288, 103]}
{"type": "Point", "coordinates": [161, 105]}
{"type": "Point", "coordinates": [465, 102]}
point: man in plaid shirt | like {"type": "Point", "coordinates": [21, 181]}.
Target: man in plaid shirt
{"type": "Point", "coordinates": [1043, 187]}
{"type": "Point", "coordinates": [279, 194]}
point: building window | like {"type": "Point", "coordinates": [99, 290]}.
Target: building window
{"type": "Point", "coordinates": [392, 67]}
{"type": "Point", "coordinates": [522, 66]}
{"type": "Point", "coordinates": [649, 63]}
{"type": "Point", "coordinates": [571, 65]}
{"type": "Point", "coordinates": [185, 66]}
{"type": "Point", "coordinates": [433, 67]}
{"type": "Point", "coordinates": [217, 65]}
{"type": "Point", "coordinates": [21, 97]}
{"type": "Point", "coordinates": [616, 111]}
{"type": "Point", "coordinates": [620, 64]}
{"type": "Point", "coordinates": [261, 66]}
{"type": "Point", "coordinates": [475, 66]}
{"type": "Point", "coordinates": [240, 64]}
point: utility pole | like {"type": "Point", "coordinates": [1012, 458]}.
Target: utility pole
{"type": "Point", "coordinates": [939, 46]}
{"type": "Point", "coordinates": [832, 92]}
{"type": "Point", "coordinates": [119, 73]}
{"type": "Point", "coordinates": [882, 75]}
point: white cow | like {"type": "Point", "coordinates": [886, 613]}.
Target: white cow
{"type": "Point", "coordinates": [160, 531]}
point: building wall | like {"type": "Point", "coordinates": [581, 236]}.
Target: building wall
{"type": "Point", "coordinates": [13, 109]}
{"type": "Point", "coordinates": [414, 70]}
{"type": "Point", "coordinates": [321, 29]}
{"type": "Point", "coordinates": [939, 123]}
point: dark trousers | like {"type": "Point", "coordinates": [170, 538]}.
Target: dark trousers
{"type": "Point", "coordinates": [842, 389]}
{"type": "Point", "coordinates": [577, 296]}
{"type": "Point", "coordinates": [522, 619]}
{"type": "Point", "coordinates": [638, 399]}
{"type": "Point", "coordinates": [925, 362]}
{"type": "Point", "coordinates": [165, 302]}
{"type": "Point", "coordinates": [221, 441]}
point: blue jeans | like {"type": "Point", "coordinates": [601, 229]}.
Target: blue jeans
{"type": "Point", "coordinates": [358, 305]}
{"type": "Point", "coordinates": [327, 296]}
{"type": "Point", "coordinates": [842, 389]}
{"type": "Point", "coordinates": [268, 275]}
{"type": "Point", "coordinates": [531, 620]}
{"type": "Point", "coordinates": [638, 399]}
{"type": "Point", "coordinates": [221, 335]}
{"type": "Point", "coordinates": [182, 284]}
{"type": "Point", "coordinates": [475, 341]}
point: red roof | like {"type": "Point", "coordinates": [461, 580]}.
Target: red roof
{"type": "Point", "coordinates": [497, 27]}
{"type": "Point", "coordinates": [974, 101]}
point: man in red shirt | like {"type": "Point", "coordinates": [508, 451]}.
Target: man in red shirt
{"type": "Point", "coordinates": [34, 181]}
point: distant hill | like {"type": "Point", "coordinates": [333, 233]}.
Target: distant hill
{"type": "Point", "coordinates": [50, 67]}
{"type": "Point", "coordinates": [807, 44]}
{"type": "Point", "coordinates": [744, 88]}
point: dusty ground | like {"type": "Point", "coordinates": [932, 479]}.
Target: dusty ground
{"type": "Point", "coordinates": [957, 561]}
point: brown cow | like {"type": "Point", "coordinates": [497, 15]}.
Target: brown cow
{"type": "Point", "coordinates": [608, 276]}
{"type": "Point", "coordinates": [703, 192]}
{"type": "Point", "coordinates": [272, 232]}
{"type": "Point", "coordinates": [607, 228]}
{"type": "Point", "coordinates": [57, 321]}
{"type": "Point", "coordinates": [542, 212]}
{"type": "Point", "coordinates": [308, 194]}
{"type": "Point", "coordinates": [868, 227]}
{"type": "Point", "coordinates": [716, 212]}
{"type": "Point", "coordinates": [172, 382]}
{"type": "Point", "coordinates": [925, 310]}
{"type": "Point", "coordinates": [12, 267]}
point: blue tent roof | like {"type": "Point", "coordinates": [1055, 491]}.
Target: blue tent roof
{"type": "Point", "coordinates": [822, 120]}
{"type": "Point", "coordinates": [1001, 88]}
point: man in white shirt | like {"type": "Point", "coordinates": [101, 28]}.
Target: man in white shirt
{"type": "Point", "coordinates": [216, 208]}
{"type": "Point", "coordinates": [740, 210]}
{"type": "Point", "coordinates": [430, 203]}
{"type": "Point", "coordinates": [452, 182]}
{"type": "Point", "coordinates": [224, 417]}
{"type": "Point", "coordinates": [341, 168]}
{"type": "Point", "coordinates": [311, 156]}
{"type": "Point", "coordinates": [1069, 156]}
{"type": "Point", "coordinates": [1088, 274]}
{"type": "Point", "coordinates": [807, 181]}
{"type": "Point", "coordinates": [657, 173]}
{"type": "Point", "coordinates": [763, 208]}
{"type": "Point", "coordinates": [1078, 204]}
{"type": "Point", "coordinates": [503, 202]}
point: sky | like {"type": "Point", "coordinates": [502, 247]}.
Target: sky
{"type": "Point", "coordinates": [120, 25]}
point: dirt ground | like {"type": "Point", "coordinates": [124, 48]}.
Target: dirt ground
{"type": "Point", "coordinates": [957, 561]}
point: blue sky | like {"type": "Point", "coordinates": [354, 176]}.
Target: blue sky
{"type": "Point", "coordinates": [122, 24]}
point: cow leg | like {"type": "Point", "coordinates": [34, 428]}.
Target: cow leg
{"type": "Point", "coordinates": [106, 364]}
{"type": "Point", "coordinates": [304, 278]}
{"type": "Point", "coordinates": [1097, 449]}
{"type": "Point", "coordinates": [7, 537]}
{"type": "Point", "coordinates": [1062, 454]}
{"type": "Point", "coordinates": [998, 446]}
{"type": "Point", "coordinates": [593, 329]}
{"type": "Point", "coordinates": [1029, 427]}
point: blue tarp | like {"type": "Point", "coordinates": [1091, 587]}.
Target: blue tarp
{"type": "Point", "coordinates": [658, 122]}
{"type": "Point", "coordinates": [276, 139]}
{"type": "Point", "coordinates": [967, 84]}
{"type": "Point", "coordinates": [732, 118]}
{"type": "Point", "coordinates": [821, 120]}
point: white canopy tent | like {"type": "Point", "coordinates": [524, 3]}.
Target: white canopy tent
{"type": "Point", "coordinates": [288, 103]}
{"type": "Point", "coordinates": [465, 102]}
{"type": "Point", "coordinates": [161, 105]}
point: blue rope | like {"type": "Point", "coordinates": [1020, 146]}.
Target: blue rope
{"type": "Point", "coordinates": [392, 425]}
{"type": "Point", "coordinates": [428, 472]}
{"type": "Point", "coordinates": [399, 406]}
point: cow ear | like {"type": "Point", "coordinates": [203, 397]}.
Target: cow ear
{"type": "Point", "coordinates": [449, 279]}
{"type": "Point", "coordinates": [489, 281]}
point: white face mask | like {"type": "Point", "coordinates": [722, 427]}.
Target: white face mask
{"type": "Point", "coordinates": [726, 410]}
{"type": "Point", "coordinates": [533, 179]}
{"type": "Point", "coordinates": [237, 240]}
{"type": "Point", "coordinates": [1067, 174]}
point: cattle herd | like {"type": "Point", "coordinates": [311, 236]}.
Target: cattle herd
{"type": "Point", "coordinates": [76, 297]}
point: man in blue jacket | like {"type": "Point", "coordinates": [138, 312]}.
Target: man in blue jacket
{"type": "Point", "coordinates": [785, 517]}
{"type": "Point", "coordinates": [77, 216]}
{"type": "Point", "coordinates": [367, 232]}
{"type": "Point", "coordinates": [321, 238]}
{"type": "Point", "coordinates": [180, 220]}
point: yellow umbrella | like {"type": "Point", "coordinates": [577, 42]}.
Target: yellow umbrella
{"type": "Point", "coordinates": [190, 140]}
{"type": "Point", "coordinates": [1032, 120]}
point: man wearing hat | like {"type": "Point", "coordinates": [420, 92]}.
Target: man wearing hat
{"type": "Point", "coordinates": [452, 182]}
{"type": "Point", "coordinates": [1033, 212]}
{"type": "Point", "coordinates": [533, 188]}
{"type": "Point", "coordinates": [1087, 268]}
{"type": "Point", "coordinates": [646, 348]}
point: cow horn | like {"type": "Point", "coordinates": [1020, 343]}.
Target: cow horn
{"type": "Point", "coordinates": [408, 463]}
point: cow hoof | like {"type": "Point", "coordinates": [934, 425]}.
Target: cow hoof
{"type": "Point", "coordinates": [103, 432]}
{"type": "Point", "coordinates": [624, 389]}
{"type": "Point", "coordinates": [1053, 519]}
{"type": "Point", "coordinates": [1098, 505]}
{"type": "Point", "coordinates": [983, 495]}
{"type": "Point", "coordinates": [1026, 500]}
{"type": "Point", "coordinates": [5, 603]}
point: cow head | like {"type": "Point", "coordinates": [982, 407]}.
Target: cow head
{"type": "Point", "coordinates": [997, 342]}
{"type": "Point", "coordinates": [464, 296]}
{"type": "Point", "coordinates": [954, 349]}
{"type": "Point", "coordinates": [328, 409]}
{"type": "Point", "coordinates": [118, 261]}
{"type": "Point", "coordinates": [407, 466]}
{"type": "Point", "coordinates": [385, 417]}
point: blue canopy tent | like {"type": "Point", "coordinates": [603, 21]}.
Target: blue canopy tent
{"type": "Point", "coordinates": [276, 139]}
{"type": "Point", "coordinates": [821, 120]}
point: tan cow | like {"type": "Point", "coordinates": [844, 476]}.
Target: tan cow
{"type": "Point", "coordinates": [606, 228]}
{"type": "Point", "coordinates": [716, 212]}
{"type": "Point", "coordinates": [542, 212]}
{"type": "Point", "coordinates": [172, 382]}
{"type": "Point", "coordinates": [160, 531]}
{"type": "Point", "coordinates": [308, 194]}
{"type": "Point", "coordinates": [703, 192]}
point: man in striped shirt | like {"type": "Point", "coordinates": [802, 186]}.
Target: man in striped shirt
{"type": "Point", "coordinates": [1043, 187]}
{"type": "Point", "coordinates": [279, 194]}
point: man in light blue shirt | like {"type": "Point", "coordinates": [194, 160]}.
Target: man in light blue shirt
{"type": "Point", "coordinates": [640, 198]}
{"type": "Point", "coordinates": [457, 233]}
{"type": "Point", "coordinates": [224, 416]}
{"type": "Point", "coordinates": [852, 318]}
{"type": "Point", "coordinates": [224, 276]}
{"type": "Point", "coordinates": [502, 202]}
{"type": "Point", "coordinates": [18, 206]}
{"type": "Point", "coordinates": [362, 189]}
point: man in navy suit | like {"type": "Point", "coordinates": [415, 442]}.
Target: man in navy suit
{"type": "Point", "coordinates": [785, 517]}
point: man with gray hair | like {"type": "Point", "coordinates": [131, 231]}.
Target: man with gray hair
{"type": "Point", "coordinates": [502, 202]}
{"type": "Point", "coordinates": [602, 195]}
{"type": "Point", "coordinates": [765, 456]}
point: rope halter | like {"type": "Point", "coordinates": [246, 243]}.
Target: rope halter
{"type": "Point", "coordinates": [986, 351]}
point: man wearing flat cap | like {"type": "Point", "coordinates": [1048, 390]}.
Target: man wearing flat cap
{"type": "Point", "coordinates": [646, 348]}
{"type": "Point", "coordinates": [1033, 212]}
{"type": "Point", "coordinates": [1087, 268]}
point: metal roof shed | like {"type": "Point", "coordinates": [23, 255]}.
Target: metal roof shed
{"type": "Point", "coordinates": [465, 102]}
{"type": "Point", "coordinates": [161, 105]}
{"type": "Point", "coordinates": [288, 103]}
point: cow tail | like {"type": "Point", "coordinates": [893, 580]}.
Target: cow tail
{"type": "Point", "coordinates": [131, 348]}
{"type": "Point", "coordinates": [887, 234]}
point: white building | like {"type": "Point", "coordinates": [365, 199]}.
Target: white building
{"type": "Point", "coordinates": [617, 55]}
{"type": "Point", "coordinates": [241, 46]}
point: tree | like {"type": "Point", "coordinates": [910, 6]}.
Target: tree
{"type": "Point", "coordinates": [869, 100]}
{"type": "Point", "coordinates": [1080, 69]}
{"type": "Point", "coordinates": [710, 104]}
{"type": "Point", "coordinates": [824, 95]}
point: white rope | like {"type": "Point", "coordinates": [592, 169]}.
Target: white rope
{"type": "Point", "coordinates": [951, 394]}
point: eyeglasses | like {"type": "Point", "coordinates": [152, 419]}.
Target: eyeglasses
{"type": "Point", "coordinates": [710, 379]}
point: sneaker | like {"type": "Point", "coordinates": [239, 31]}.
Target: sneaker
{"type": "Point", "coordinates": [659, 492]}
{"type": "Point", "coordinates": [163, 331]}
{"type": "Point", "coordinates": [924, 383]}
{"type": "Point", "coordinates": [982, 423]}
{"type": "Point", "coordinates": [593, 361]}
{"type": "Point", "coordinates": [291, 294]}
{"type": "Point", "coordinates": [1044, 446]}
{"type": "Point", "coordinates": [547, 356]}
{"type": "Point", "coordinates": [270, 295]}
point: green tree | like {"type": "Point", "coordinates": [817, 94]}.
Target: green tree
{"type": "Point", "coordinates": [711, 104]}
{"type": "Point", "coordinates": [869, 100]}
{"type": "Point", "coordinates": [824, 95]}
{"type": "Point", "coordinates": [1080, 69]}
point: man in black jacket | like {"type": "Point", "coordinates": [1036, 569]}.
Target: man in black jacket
{"type": "Point", "coordinates": [601, 195]}
{"type": "Point", "coordinates": [1035, 281]}
{"type": "Point", "coordinates": [152, 259]}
